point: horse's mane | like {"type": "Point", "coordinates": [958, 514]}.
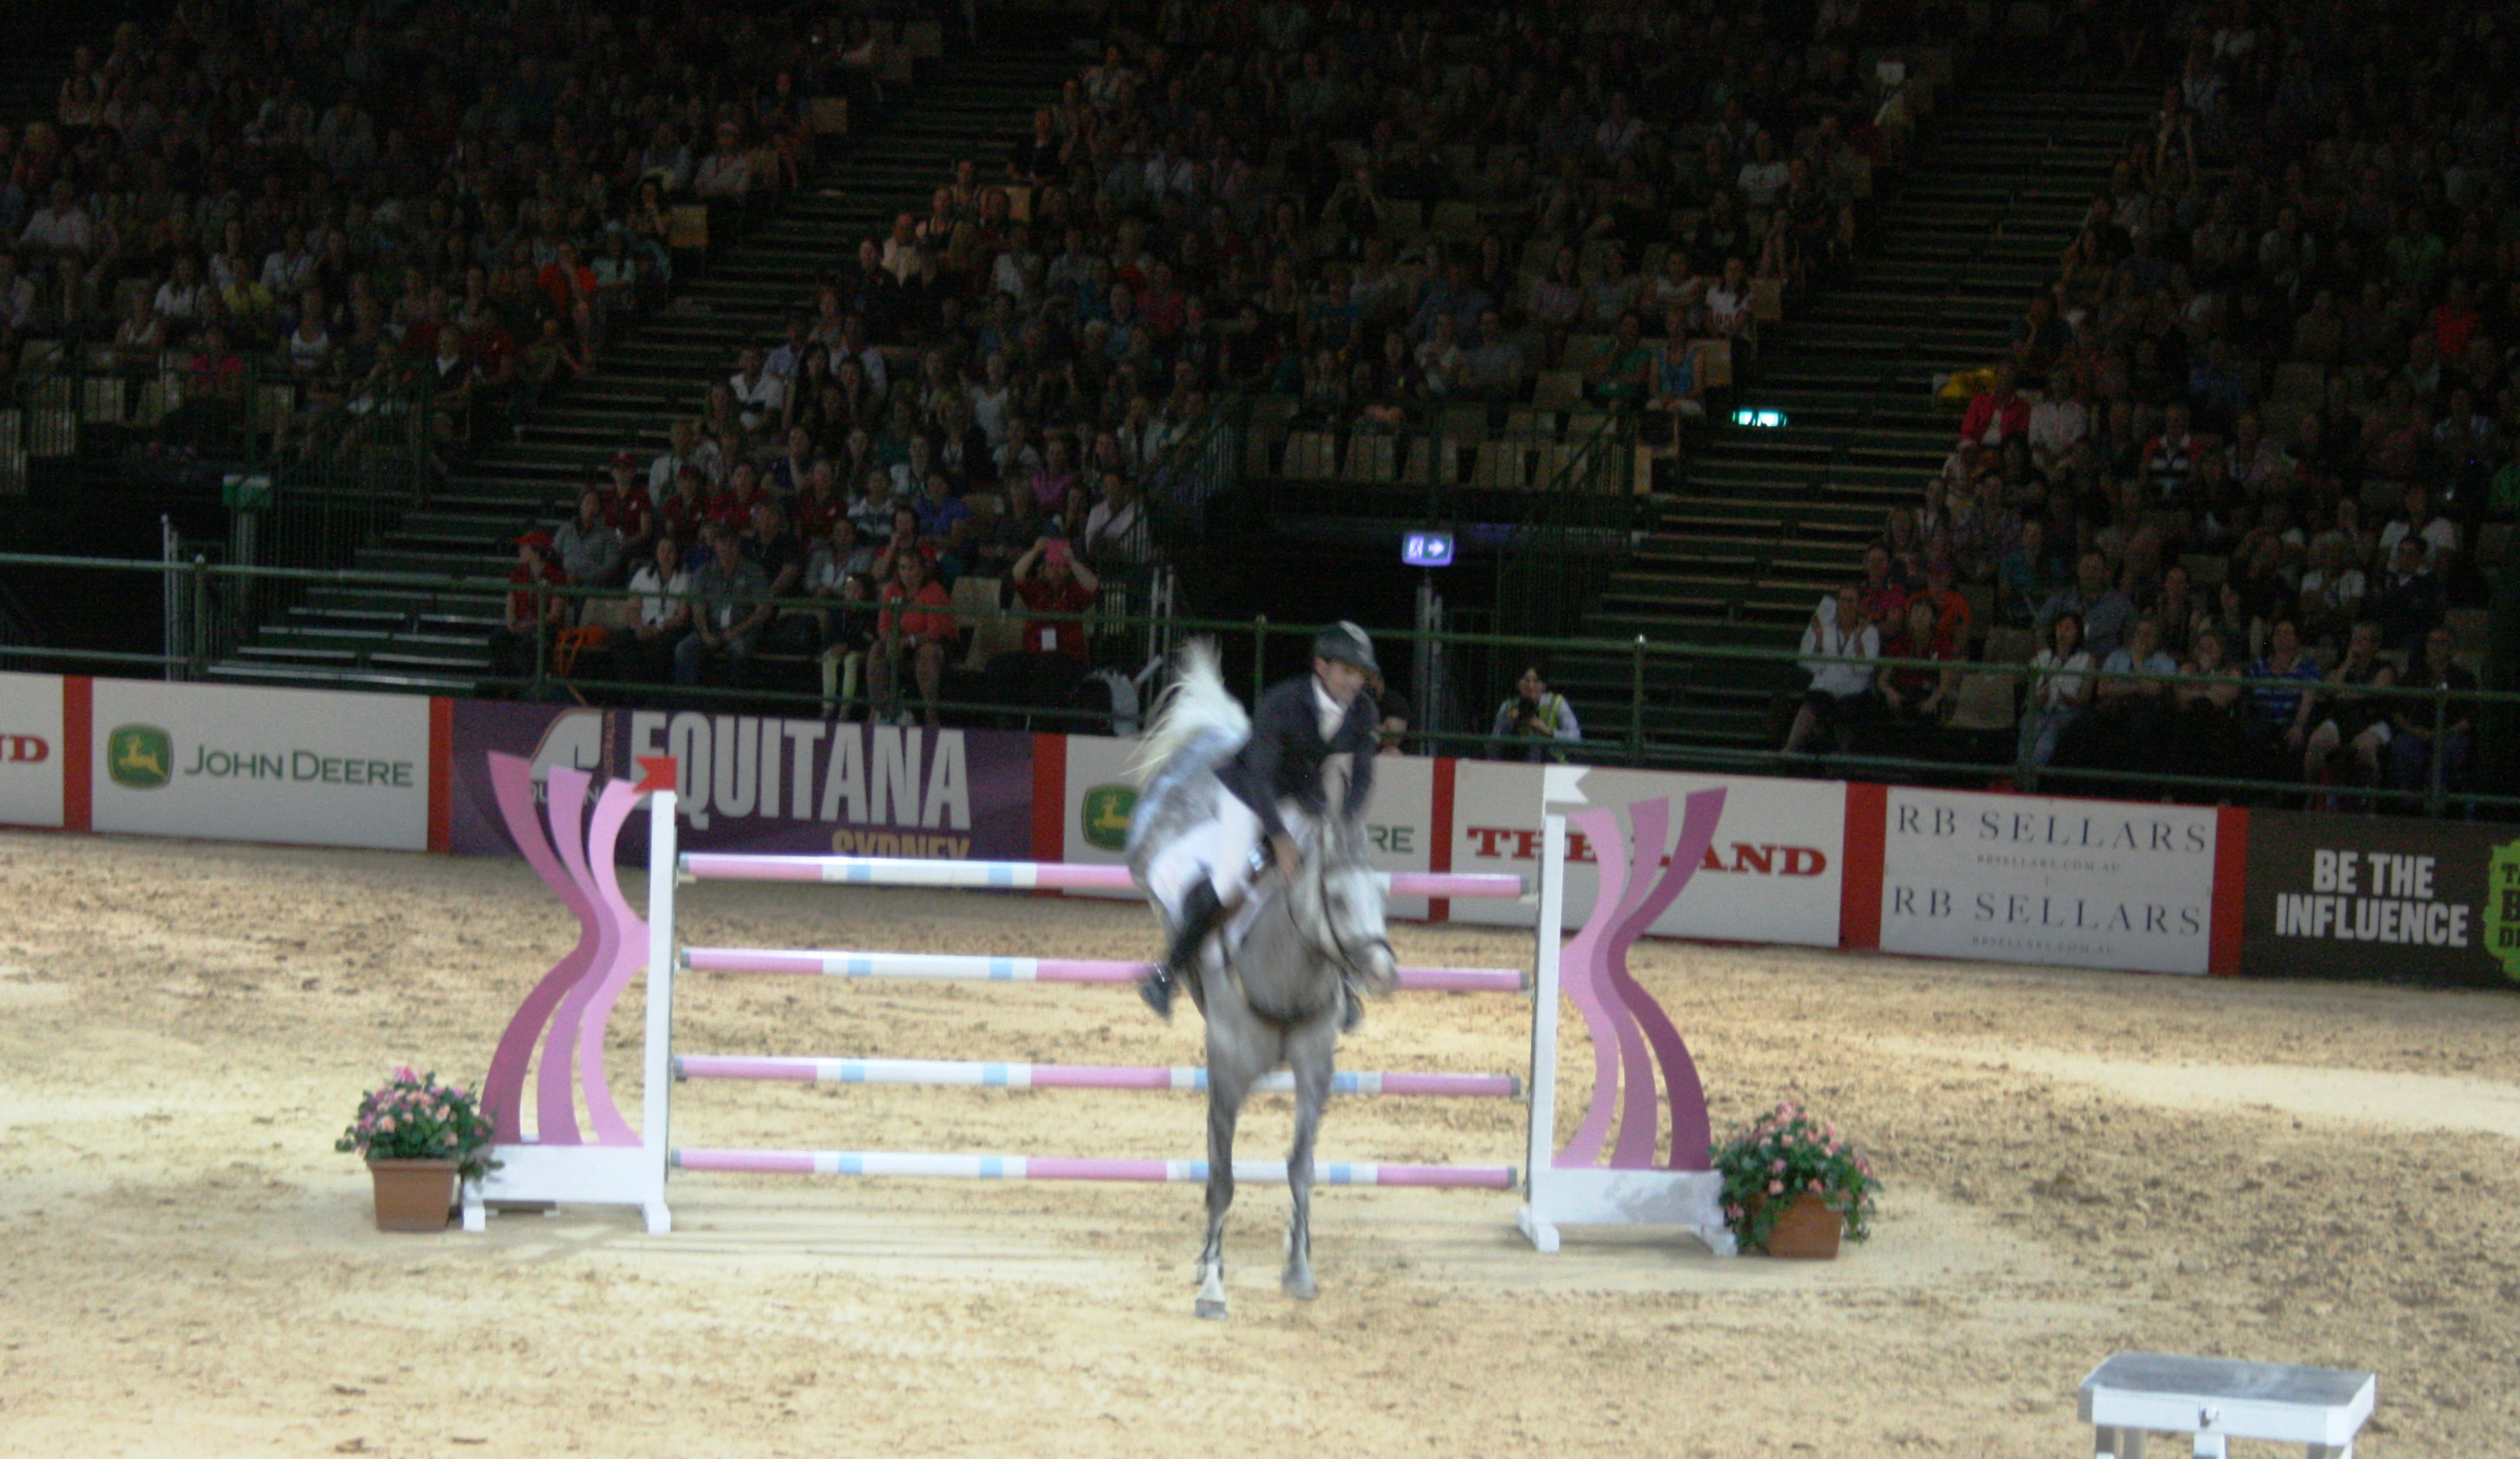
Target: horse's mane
{"type": "Point", "coordinates": [1195, 706]}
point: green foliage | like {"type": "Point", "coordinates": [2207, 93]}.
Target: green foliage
{"type": "Point", "coordinates": [411, 1117]}
{"type": "Point", "coordinates": [1784, 1153]}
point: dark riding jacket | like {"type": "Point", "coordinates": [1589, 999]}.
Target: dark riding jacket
{"type": "Point", "coordinates": [1282, 758]}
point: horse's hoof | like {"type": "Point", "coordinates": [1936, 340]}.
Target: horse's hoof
{"type": "Point", "coordinates": [1302, 1289]}
{"type": "Point", "coordinates": [1210, 1308]}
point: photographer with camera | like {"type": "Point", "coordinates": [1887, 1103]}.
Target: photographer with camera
{"type": "Point", "coordinates": [1535, 716]}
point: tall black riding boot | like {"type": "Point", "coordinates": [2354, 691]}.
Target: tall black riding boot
{"type": "Point", "coordinates": [1201, 911]}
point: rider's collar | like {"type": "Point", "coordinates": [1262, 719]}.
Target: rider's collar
{"type": "Point", "coordinates": [1328, 712]}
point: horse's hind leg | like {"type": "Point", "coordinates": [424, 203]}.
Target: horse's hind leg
{"type": "Point", "coordinates": [1224, 1106]}
{"type": "Point", "coordinates": [1309, 1055]}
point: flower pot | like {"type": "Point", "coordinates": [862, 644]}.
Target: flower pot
{"type": "Point", "coordinates": [1807, 1231]}
{"type": "Point", "coordinates": [414, 1195]}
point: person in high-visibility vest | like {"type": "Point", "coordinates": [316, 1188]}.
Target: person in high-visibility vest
{"type": "Point", "coordinates": [1539, 716]}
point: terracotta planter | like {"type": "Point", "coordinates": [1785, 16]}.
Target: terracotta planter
{"type": "Point", "coordinates": [1807, 1231]}
{"type": "Point", "coordinates": [414, 1195]}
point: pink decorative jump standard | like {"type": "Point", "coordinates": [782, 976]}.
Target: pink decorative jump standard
{"type": "Point", "coordinates": [1632, 1037]}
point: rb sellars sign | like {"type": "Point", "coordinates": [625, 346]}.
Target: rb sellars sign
{"type": "Point", "coordinates": [2031, 879]}
{"type": "Point", "coordinates": [2398, 901]}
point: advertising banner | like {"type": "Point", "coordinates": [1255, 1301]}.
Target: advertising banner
{"type": "Point", "coordinates": [31, 749]}
{"type": "Point", "coordinates": [231, 762]}
{"type": "Point", "coordinates": [1101, 797]}
{"type": "Point", "coordinates": [2031, 879]}
{"type": "Point", "coordinates": [1772, 876]}
{"type": "Point", "coordinates": [761, 783]}
{"type": "Point", "coordinates": [2433, 902]}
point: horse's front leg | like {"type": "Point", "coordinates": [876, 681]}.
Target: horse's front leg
{"type": "Point", "coordinates": [1310, 1056]}
{"type": "Point", "coordinates": [1224, 1107]}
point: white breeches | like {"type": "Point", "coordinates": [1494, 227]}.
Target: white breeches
{"type": "Point", "coordinates": [1220, 850]}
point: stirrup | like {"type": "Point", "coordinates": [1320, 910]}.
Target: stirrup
{"type": "Point", "coordinates": [1156, 990]}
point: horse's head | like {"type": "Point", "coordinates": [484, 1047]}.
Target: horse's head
{"type": "Point", "coordinates": [1339, 902]}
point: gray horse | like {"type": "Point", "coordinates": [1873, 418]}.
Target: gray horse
{"type": "Point", "coordinates": [1273, 1000]}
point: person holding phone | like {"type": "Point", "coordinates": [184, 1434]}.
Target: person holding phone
{"type": "Point", "coordinates": [1051, 580]}
{"type": "Point", "coordinates": [1541, 720]}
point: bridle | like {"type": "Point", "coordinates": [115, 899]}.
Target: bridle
{"type": "Point", "coordinates": [1350, 956]}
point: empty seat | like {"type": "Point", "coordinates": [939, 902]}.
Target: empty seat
{"type": "Point", "coordinates": [1462, 422]}
{"type": "Point", "coordinates": [1311, 455]}
{"type": "Point", "coordinates": [2010, 645]}
{"type": "Point", "coordinates": [1500, 462]}
{"type": "Point", "coordinates": [1984, 703]}
{"type": "Point", "coordinates": [1557, 390]}
{"type": "Point", "coordinates": [1371, 457]}
{"type": "Point", "coordinates": [1432, 460]}
{"type": "Point", "coordinates": [1523, 422]}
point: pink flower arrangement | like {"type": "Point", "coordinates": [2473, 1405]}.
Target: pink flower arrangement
{"type": "Point", "coordinates": [411, 1117]}
{"type": "Point", "coordinates": [1787, 1150]}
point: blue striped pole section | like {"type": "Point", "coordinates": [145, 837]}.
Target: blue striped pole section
{"type": "Point", "coordinates": [977, 1075]}
{"type": "Point", "coordinates": [889, 1163]}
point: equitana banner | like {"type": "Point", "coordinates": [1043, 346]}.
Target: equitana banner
{"type": "Point", "coordinates": [764, 783]}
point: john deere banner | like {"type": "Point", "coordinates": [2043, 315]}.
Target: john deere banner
{"type": "Point", "coordinates": [233, 762]}
{"type": "Point", "coordinates": [759, 783]}
{"type": "Point", "coordinates": [2406, 901]}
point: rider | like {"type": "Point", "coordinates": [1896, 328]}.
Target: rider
{"type": "Point", "coordinates": [1300, 723]}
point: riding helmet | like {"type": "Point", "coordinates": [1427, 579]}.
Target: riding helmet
{"type": "Point", "coordinates": [1344, 642]}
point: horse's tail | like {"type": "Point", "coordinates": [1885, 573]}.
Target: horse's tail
{"type": "Point", "coordinates": [1196, 706]}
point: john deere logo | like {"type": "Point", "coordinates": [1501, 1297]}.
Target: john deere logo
{"type": "Point", "coordinates": [2503, 907]}
{"type": "Point", "coordinates": [141, 756]}
{"type": "Point", "coordinates": [1105, 815]}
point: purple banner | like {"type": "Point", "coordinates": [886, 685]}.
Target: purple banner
{"type": "Point", "coordinates": [759, 783]}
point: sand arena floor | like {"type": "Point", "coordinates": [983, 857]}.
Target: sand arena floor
{"type": "Point", "coordinates": [2077, 1162]}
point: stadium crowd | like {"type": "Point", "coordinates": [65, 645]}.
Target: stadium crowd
{"type": "Point", "coordinates": [2264, 423]}
{"type": "Point", "coordinates": [1360, 209]}
{"type": "Point", "coordinates": [442, 206]}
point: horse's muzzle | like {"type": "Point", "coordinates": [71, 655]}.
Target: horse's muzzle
{"type": "Point", "coordinates": [1380, 970]}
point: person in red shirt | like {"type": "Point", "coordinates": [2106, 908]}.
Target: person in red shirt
{"type": "Point", "coordinates": [1998, 414]}
{"type": "Point", "coordinates": [916, 626]}
{"type": "Point", "coordinates": [744, 493]}
{"type": "Point", "coordinates": [571, 289]}
{"type": "Point", "coordinates": [1048, 579]}
{"type": "Point", "coordinates": [1954, 619]}
{"type": "Point", "coordinates": [514, 643]}
{"type": "Point", "coordinates": [1881, 596]}
{"type": "Point", "coordinates": [685, 509]}
{"type": "Point", "coordinates": [627, 506]}
{"type": "Point", "coordinates": [1917, 695]}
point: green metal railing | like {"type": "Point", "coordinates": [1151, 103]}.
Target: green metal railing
{"type": "Point", "coordinates": [1617, 738]}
